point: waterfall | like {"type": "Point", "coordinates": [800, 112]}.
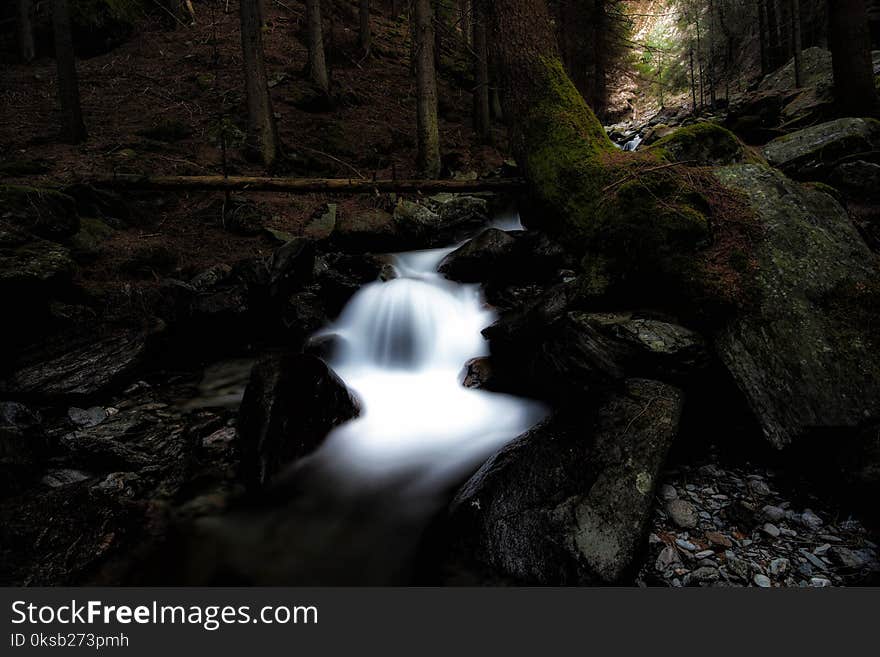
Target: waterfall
{"type": "Point", "coordinates": [633, 143]}
{"type": "Point", "coordinates": [402, 346]}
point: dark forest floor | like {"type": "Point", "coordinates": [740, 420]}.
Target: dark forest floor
{"type": "Point", "coordinates": [176, 83]}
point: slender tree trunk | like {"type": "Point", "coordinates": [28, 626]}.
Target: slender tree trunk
{"type": "Point", "coordinates": [710, 44]}
{"type": "Point", "coordinates": [693, 83]}
{"type": "Point", "coordinates": [850, 43]}
{"type": "Point", "coordinates": [762, 35]}
{"type": "Point", "coordinates": [262, 132]}
{"type": "Point", "coordinates": [68, 85]}
{"type": "Point", "coordinates": [426, 82]}
{"type": "Point", "coordinates": [482, 116]}
{"type": "Point", "coordinates": [796, 40]}
{"type": "Point", "coordinates": [774, 55]}
{"type": "Point", "coordinates": [315, 33]}
{"type": "Point", "coordinates": [25, 31]}
{"type": "Point", "coordinates": [365, 36]}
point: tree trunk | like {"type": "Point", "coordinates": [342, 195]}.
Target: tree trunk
{"type": "Point", "coordinates": [426, 82]}
{"type": "Point", "coordinates": [262, 132]}
{"type": "Point", "coordinates": [365, 37]}
{"type": "Point", "coordinates": [850, 43]}
{"type": "Point", "coordinates": [315, 34]}
{"type": "Point", "coordinates": [796, 40]}
{"type": "Point", "coordinates": [25, 31]}
{"type": "Point", "coordinates": [482, 116]}
{"type": "Point", "coordinates": [762, 36]}
{"type": "Point", "coordinates": [68, 85]}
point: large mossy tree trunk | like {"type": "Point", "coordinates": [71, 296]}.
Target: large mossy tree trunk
{"type": "Point", "coordinates": [262, 131]}
{"type": "Point", "coordinates": [850, 42]}
{"type": "Point", "coordinates": [68, 84]}
{"type": "Point", "coordinates": [637, 218]}
{"type": "Point", "coordinates": [426, 82]}
{"type": "Point", "coordinates": [315, 33]}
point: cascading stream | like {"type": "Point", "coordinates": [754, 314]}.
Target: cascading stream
{"type": "Point", "coordinates": [402, 345]}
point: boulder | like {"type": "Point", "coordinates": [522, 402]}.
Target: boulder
{"type": "Point", "coordinates": [290, 405]}
{"type": "Point", "coordinates": [806, 353]}
{"type": "Point", "coordinates": [569, 501]}
{"type": "Point", "coordinates": [858, 179]}
{"type": "Point", "coordinates": [809, 154]}
{"type": "Point", "coordinates": [291, 267]}
{"type": "Point", "coordinates": [478, 260]}
{"type": "Point", "coordinates": [46, 213]}
{"type": "Point", "coordinates": [815, 69]}
{"type": "Point", "coordinates": [702, 144]}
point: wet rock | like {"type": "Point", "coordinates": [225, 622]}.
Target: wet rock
{"type": "Point", "coordinates": [480, 259]}
{"type": "Point", "coordinates": [85, 366]}
{"type": "Point", "coordinates": [567, 502]}
{"type": "Point", "coordinates": [290, 405]}
{"type": "Point", "coordinates": [773, 513]}
{"type": "Point", "coordinates": [339, 276]}
{"type": "Point", "coordinates": [820, 582]}
{"type": "Point", "coordinates": [682, 513]}
{"type": "Point", "coordinates": [807, 154]}
{"type": "Point", "coordinates": [477, 373]}
{"type": "Point", "coordinates": [805, 356]}
{"type": "Point", "coordinates": [810, 520]}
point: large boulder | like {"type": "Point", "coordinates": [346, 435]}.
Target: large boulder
{"type": "Point", "coordinates": [290, 405]}
{"type": "Point", "coordinates": [702, 144]}
{"type": "Point", "coordinates": [806, 353]}
{"type": "Point", "coordinates": [810, 154]}
{"type": "Point", "coordinates": [569, 501]}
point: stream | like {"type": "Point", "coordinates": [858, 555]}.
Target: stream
{"type": "Point", "coordinates": [355, 512]}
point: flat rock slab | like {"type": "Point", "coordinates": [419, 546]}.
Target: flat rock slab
{"type": "Point", "coordinates": [84, 368]}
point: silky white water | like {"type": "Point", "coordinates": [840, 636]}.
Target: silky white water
{"type": "Point", "coordinates": [402, 347]}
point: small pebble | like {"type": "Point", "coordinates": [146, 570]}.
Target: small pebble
{"type": "Point", "coordinates": [771, 529]}
{"type": "Point", "coordinates": [761, 580]}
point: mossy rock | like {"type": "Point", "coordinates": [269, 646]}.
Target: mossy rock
{"type": "Point", "coordinates": [703, 144]}
{"type": "Point", "coordinates": [44, 212]}
{"type": "Point", "coordinates": [30, 265]}
{"type": "Point", "coordinates": [91, 236]}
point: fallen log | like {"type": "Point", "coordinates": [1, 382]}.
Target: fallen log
{"type": "Point", "coordinates": [301, 185]}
